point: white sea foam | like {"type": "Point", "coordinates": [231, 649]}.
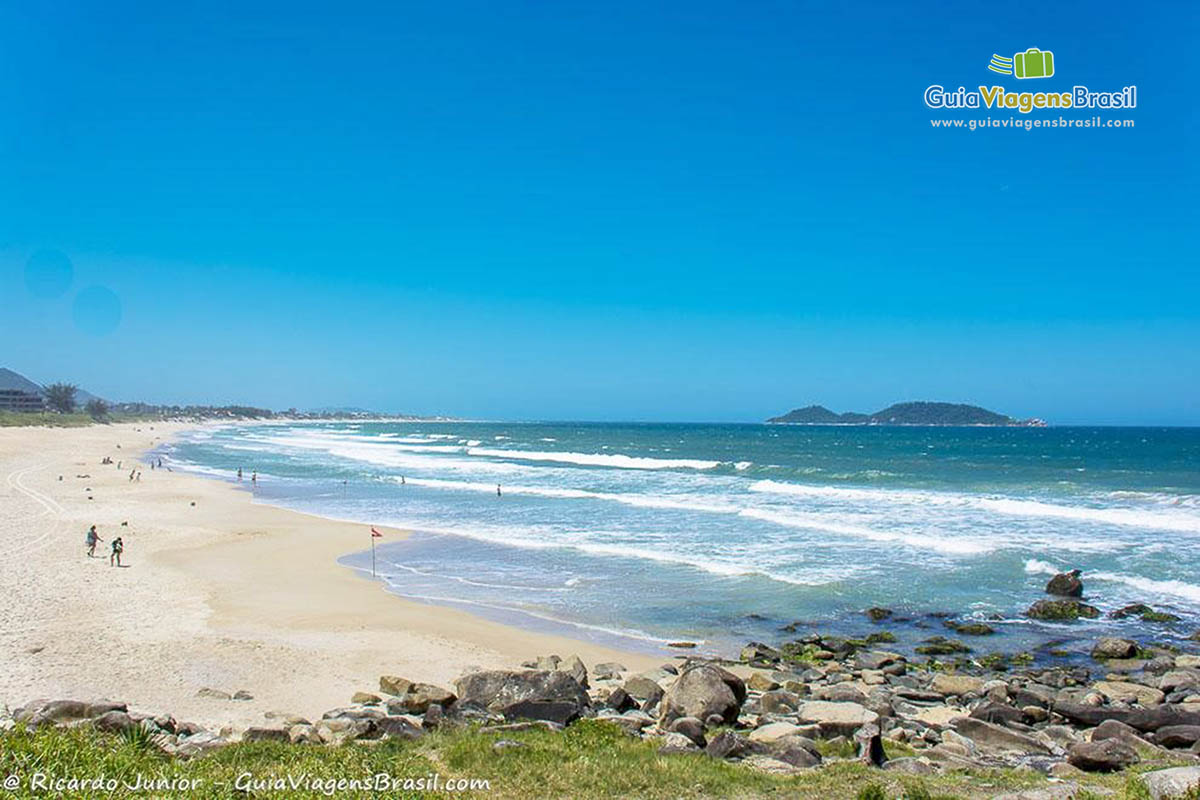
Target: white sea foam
{"type": "Point", "coordinates": [1035, 567]}
{"type": "Point", "coordinates": [1180, 521]}
{"type": "Point", "coordinates": [682, 503]}
{"type": "Point", "coordinates": [595, 459]}
{"type": "Point", "coordinates": [815, 522]}
{"type": "Point", "coordinates": [1187, 591]}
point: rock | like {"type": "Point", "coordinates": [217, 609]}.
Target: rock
{"type": "Point", "coordinates": [391, 684]}
{"type": "Point", "coordinates": [303, 734]}
{"type": "Point", "coordinates": [677, 743]}
{"type": "Point", "coordinates": [702, 691]}
{"type": "Point", "coordinates": [561, 712]}
{"type": "Point", "coordinates": [1065, 584]}
{"type": "Point", "coordinates": [941, 646]}
{"type": "Point", "coordinates": [434, 716]}
{"type": "Point", "coordinates": [1150, 720]}
{"type": "Point", "coordinates": [876, 659]}
{"type": "Point", "coordinates": [835, 718]}
{"type": "Point", "coordinates": [1113, 729]}
{"type": "Point", "coordinates": [497, 690]}
{"type": "Point", "coordinates": [1179, 679]}
{"type": "Point", "coordinates": [779, 702]}
{"type": "Point", "coordinates": [759, 652]}
{"type": "Point", "coordinates": [910, 766]}
{"type": "Point", "coordinates": [1170, 784]}
{"type": "Point", "coordinates": [690, 727]}
{"type": "Point", "coordinates": [1089, 716]}
{"type": "Point", "coordinates": [575, 668]}
{"type": "Point", "coordinates": [421, 696]}
{"type": "Point", "coordinates": [1107, 755]}
{"type": "Point", "coordinates": [761, 682]}
{"type": "Point", "coordinates": [994, 738]}
{"type": "Point", "coordinates": [1172, 736]}
{"type": "Point", "coordinates": [947, 684]}
{"type": "Point", "coordinates": [1061, 610]}
{"type": "Point", "coordinates": [870, 745]}
{"type": "Point", "coordinates": [1124, 692]}
{"type": "Point", "coordinates": [877, 614]}
{"type": "Point", "coordinates": [399, 727]}
{"type": "Point", "coordinates": [1112, 647]}
{"type": "Point", "coordinates": [940, 716]}
{"type": "Point", "coordinates": [265, 735]}
{"type": "Point", "coordinates": [113, 722]}
{"type": "Point", "coordinates": [682, 645]}
{"type": "Point", "coordinates": [1062, 791]}
{"type": "Point", "coordinates": [728, 744]}
{"type": "Point", "coordinates": [608, 670]}
{"type": "Point", "coordinates": [242, 694]}
{"type": "Point", "coordinates": [365, 698]}
{"type": "Point", "coordinates": [547, 663]}
{"type": "Point", "coordinates": [771, 766]}
{"type": "Point", "coordinates": [644, 689]}
{"type": "Point", "coordinates": [797, 755]}
{"type": "Point", "coordinates": [774, 731]}
{"type": "Point", "coordinates": [51, 712]}
{"type": "Point", "coordinates": [619, 700]}
{"type": "Point", "coordinates": [998, 713]}
{"type": "Point", "coordinates": [214, 694]}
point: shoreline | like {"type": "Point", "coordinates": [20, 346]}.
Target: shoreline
{"type": "Point", "coordinates": [220, 592]}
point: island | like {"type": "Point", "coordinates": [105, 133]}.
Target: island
{"type": "Point", "coordinates": [914, 413]}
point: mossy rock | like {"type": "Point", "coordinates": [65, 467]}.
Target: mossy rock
{"type": "Point", "coordinates": [877, 614]}
{"type": "Point", "coordinates": [1061, 610]}
{"type": "Point", "coordinates": [941, 646]}
{"type": "Point", "coordinates": [970, 628]}
{"type": "Point", "coordinates": [880, 638]}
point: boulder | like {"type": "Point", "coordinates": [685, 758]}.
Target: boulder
{"type": "Point", "coordinates": [1125, 692]}
{"type": "Point", "coordinates": [1061, 610]}
{"type": "Point", "coordinates": [560, 712]}
{"type": "Point", "coordinates": [771, 766]}
{"type": "Point", "coordinates": [1177, 736]}
{"type": "Point", "coordinates": [1107, 755]}
{"type": "Point", "coordinates": [947, 684]}
{"type": "Point", "coordinates": [728, 744]}
{"type": "Point", "coordinates": [690, 727]}
{"type": "Point", "coordinates": [497, 690]}
{"type": "Point", "coordinates": [876, 659]}
{"type": "Point", "coordinates": [419, 697]}
{"type": "Point", "coordinates": [1112, 647]}
{"type": "Point", "coordinates": [1065, 584]}
{"type": "Point", "coordinates": [1112, 729]}
{"type": "Point", "coordinates": [213, 694]}
{"type": "Point", "coordinates": [703, 691]}
{"type": "Point", "coordinates": [1168, 784]}
{"type": "Point", "coordinates": [644, 689]}
{"type": "Point", "coordinates": [1151, 719]}
{"type": "Point", "coordinates": [574, 667]}
{"type": "Point", "coordinates": [870, 745]}
{"type": "Point", "coordinates": [365, 698]}
{"type": "Point", "coordinates": [774, 731]}
{"type": "Point", "coordinates": [992, 738]}
{"type": "Point", "coordinates": [391, 684]}
{"type": "Point", "coordinates": [877, 614]}
{"type": "Point", "coordinates": [399, 727]}
{"type": "Point", "coordinates": [264, 734]}
{"type": "Point", "coordinates": [608, 670]}
{"type": "Point", "coordinates": [757, 652]}
{"type": "Point", "coordinates": [761, 682]}
{"type": "Point", "coordinates": [114, 722]}
{"type": "Point", "coordinates": [835, 719]}
{"type": "Point", "coordinates": [1089, 715]}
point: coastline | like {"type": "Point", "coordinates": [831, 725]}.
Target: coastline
{"type": "Point", "coordinates": [224, 594]}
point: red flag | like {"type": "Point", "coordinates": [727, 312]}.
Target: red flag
{"type": "Point", "coordinates": [376, 534]}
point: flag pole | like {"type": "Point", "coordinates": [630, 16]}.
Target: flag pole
{"type": "Point", "coordinates": [372, 554]}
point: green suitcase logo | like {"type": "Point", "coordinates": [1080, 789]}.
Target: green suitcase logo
{"type": "Point", "coordinates": [1033, 63]}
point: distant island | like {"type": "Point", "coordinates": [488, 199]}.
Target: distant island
{"type": "Point", "coordinates": [916, 413]}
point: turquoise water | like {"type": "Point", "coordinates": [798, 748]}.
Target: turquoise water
{"type": "Point", "coordinates": [639, 534]}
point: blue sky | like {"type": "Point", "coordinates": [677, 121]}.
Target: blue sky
{"type": "Point", "coordinates": [692, 211]}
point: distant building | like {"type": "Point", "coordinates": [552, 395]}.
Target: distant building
{"type": "Point", "coordinates": [18, 393]}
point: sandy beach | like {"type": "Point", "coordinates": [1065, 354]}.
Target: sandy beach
{"type": "Point", "coordinates": [218, 592]}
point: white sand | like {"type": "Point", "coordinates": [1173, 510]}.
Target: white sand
{"type": "Point", "coordinates": [225, 594]}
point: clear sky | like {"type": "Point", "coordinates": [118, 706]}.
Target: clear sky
{"type": "Point", "coordinates": [688, 211]}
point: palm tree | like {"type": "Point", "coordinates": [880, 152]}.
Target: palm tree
{"type": "Point", "coordinates": [61, 397]}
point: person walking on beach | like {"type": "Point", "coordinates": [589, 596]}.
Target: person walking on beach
{"type": "Point", "coordinates": [254, 478]}
{"type": "Point", "coordinates": [91, 538]}
{"type": "Point", "coordinates": [239, 473]}
{"type": "Point", "coordinates": [118, 547]}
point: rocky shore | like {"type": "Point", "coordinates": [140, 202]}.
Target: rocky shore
{"type": "Point", "coordinates": [786, 709]}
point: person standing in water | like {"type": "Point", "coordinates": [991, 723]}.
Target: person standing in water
{"type": "Point", "coordinates": [497, 490]}
{"type": "Point", "coordinates": [239, 473]}
{"type": "Point", "coordinates": [91, 538]}
{"type": "Point", "coordinates": [254, 478]}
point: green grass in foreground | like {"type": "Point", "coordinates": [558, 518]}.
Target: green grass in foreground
{"type": "Point", "coordinates": [589, 760]}
{"type": "Point", "coordinates": [45, 419]}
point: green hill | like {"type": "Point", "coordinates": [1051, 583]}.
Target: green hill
{"type": "Point", "coordinates": [912, 413]}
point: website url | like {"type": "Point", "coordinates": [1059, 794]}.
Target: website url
{"type": "Point", "coordinates": [1030, 124]}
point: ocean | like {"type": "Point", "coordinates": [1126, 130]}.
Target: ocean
{"type": "Point", "coordinates": [637, 535]}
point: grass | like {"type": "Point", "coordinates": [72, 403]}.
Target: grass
{"type": "Point", "coordinates": [589, 761]}
{"type": "Point", "coordinates": [45, 419]}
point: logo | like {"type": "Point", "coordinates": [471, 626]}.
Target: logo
{"type": "Point", "coordinates": [1033, 63]}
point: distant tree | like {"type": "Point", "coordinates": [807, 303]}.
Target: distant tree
{"type": "Point", "coordinates": [61, 397]}
{"type": "Point", "coordinates": [97, 409]}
